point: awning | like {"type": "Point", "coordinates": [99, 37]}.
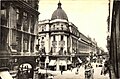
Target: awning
{"type": "Point", "coordinates": [62, 62]}
{"type": "Point", "coordinates": [52, 63]}
{"type": "Point", "coordinates": [5, 75]}
{"type": "Point", "coordinates": [80, 61]}
{"type": "Point", "coordinates": [69, 62]}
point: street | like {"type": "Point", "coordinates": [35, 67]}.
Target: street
{"type": "Point", "coordinates": [71, 74]}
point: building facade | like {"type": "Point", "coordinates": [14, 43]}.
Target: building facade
{"type": "Point", "coordinates": [114, 38]}
{"type": "Point", "coordinates": [18, 32]}
{"type": "Point", "coordinates": [61, 43]}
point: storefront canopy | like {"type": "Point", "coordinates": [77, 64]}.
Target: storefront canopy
{"type": "Point", "coordinates": [5, 75]}
{"type": "Point", "coordinates": [52, 63]}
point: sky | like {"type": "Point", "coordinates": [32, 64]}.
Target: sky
{"type": "Point", "coordinates": [90, 16]}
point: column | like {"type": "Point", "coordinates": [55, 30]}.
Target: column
{"type": "Point", "coordinates": [57, 39]}
{"type": "Point", "coordinates": [47, 46]}
{"type": "Point", "coordinates": [22, 44]}
{"type": "Point", "coordinates": [71, 48]}
{"type": "Point", "coordinates": [57, 65]}
{"type": "Point", "coordinates": [65, 46]}
{"type": "Point", "coordinates": [0, 37]}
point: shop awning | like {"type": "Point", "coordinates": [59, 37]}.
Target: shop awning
{"type": "Point", "coordinates": [5, 75]}
{"type": "Point", "coordinates": [52, 63]}
{"type": "Point", "coordinates": [62, 62]}
{"type": "Point", "coordinates": [69, 62]}
{"type": "Point", "coordinates": [80, 61]}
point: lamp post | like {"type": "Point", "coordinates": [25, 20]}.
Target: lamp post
{"type": "Point", "coordinates": [46, 62]}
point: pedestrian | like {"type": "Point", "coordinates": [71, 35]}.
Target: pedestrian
{"type": "Point", "coordinates": [77, 69]}
{"type": "Point", "coordinates": [61, 72]}
{"type": "Point", "coordinates": [71, 69]}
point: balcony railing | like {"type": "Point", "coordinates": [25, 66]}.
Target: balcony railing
{"type": "Point", "coordinates": [59, 28]}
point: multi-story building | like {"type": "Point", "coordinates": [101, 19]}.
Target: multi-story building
{"type": "Point", "coordinates": [18, 32]}
{"type": "Point", "coordinates": [114, 38]}
{"type": "Point", "coordinates": [61, 43]}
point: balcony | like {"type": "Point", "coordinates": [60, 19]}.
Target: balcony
{"type": "Point", "coordinates": [61, 43]}
{"type": "Point", "coordinates": [59, 29]}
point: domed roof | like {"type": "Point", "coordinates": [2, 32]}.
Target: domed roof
{"type": "Point", "coordinates": [59, 13]}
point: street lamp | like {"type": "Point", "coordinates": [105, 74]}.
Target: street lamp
{"type": "Point", "coordinates": [46, 62]}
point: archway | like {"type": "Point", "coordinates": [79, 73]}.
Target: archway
{"type": "Point", "coordinates": [25, 71]}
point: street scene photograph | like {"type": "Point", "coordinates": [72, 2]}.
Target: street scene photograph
{"type": "Point", "coordinates": [60, 39]}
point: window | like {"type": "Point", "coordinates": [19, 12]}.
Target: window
{"type": "Point", "coordinates": [25, 21]}
{"type": "Point", "coordinates": [26, 0]}
{"type": "Point", "coordinates": [42, 28]}
{"type": "Point", "coordinates": [57, 23]}
{"type": "Point", "coordinates": [3, 14]}
{"type": "Point", "coordinates": [53, 38]}
{"type": "Point", "coordinates": [54, 50]}
{"type": "Point", "coordinates": [42, 38]}
{"type": "Point", "coordinates": [25, 46]}
{"type": "Point", "coordinates": [18, 18]}
{"type": "Point", "coordinates": [32, 45]}
{"type": "Point", "coordinates": [61, 37]}
{"type": "Point", "coordinates": [62, 27]}
{"type": "Point", "coordinates": [25, 43]}
{"type": "Point", "coordinates": [53, 27]}
{"type": "Point", "coordinates": [32, 23]}
{"type": "Point", "coordinates": [18, 13]}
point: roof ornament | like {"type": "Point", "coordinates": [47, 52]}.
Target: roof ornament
{"type": "Point", "coordinates": [59, 5]}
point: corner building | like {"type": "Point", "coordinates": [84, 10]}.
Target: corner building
{"type": "Point", "coordinates": [18, 33]}
{"type": "Point", "coordinates": [60, 42]}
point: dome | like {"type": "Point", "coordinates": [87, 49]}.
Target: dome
{"type": "Point", "coordinates": [59, 13]}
